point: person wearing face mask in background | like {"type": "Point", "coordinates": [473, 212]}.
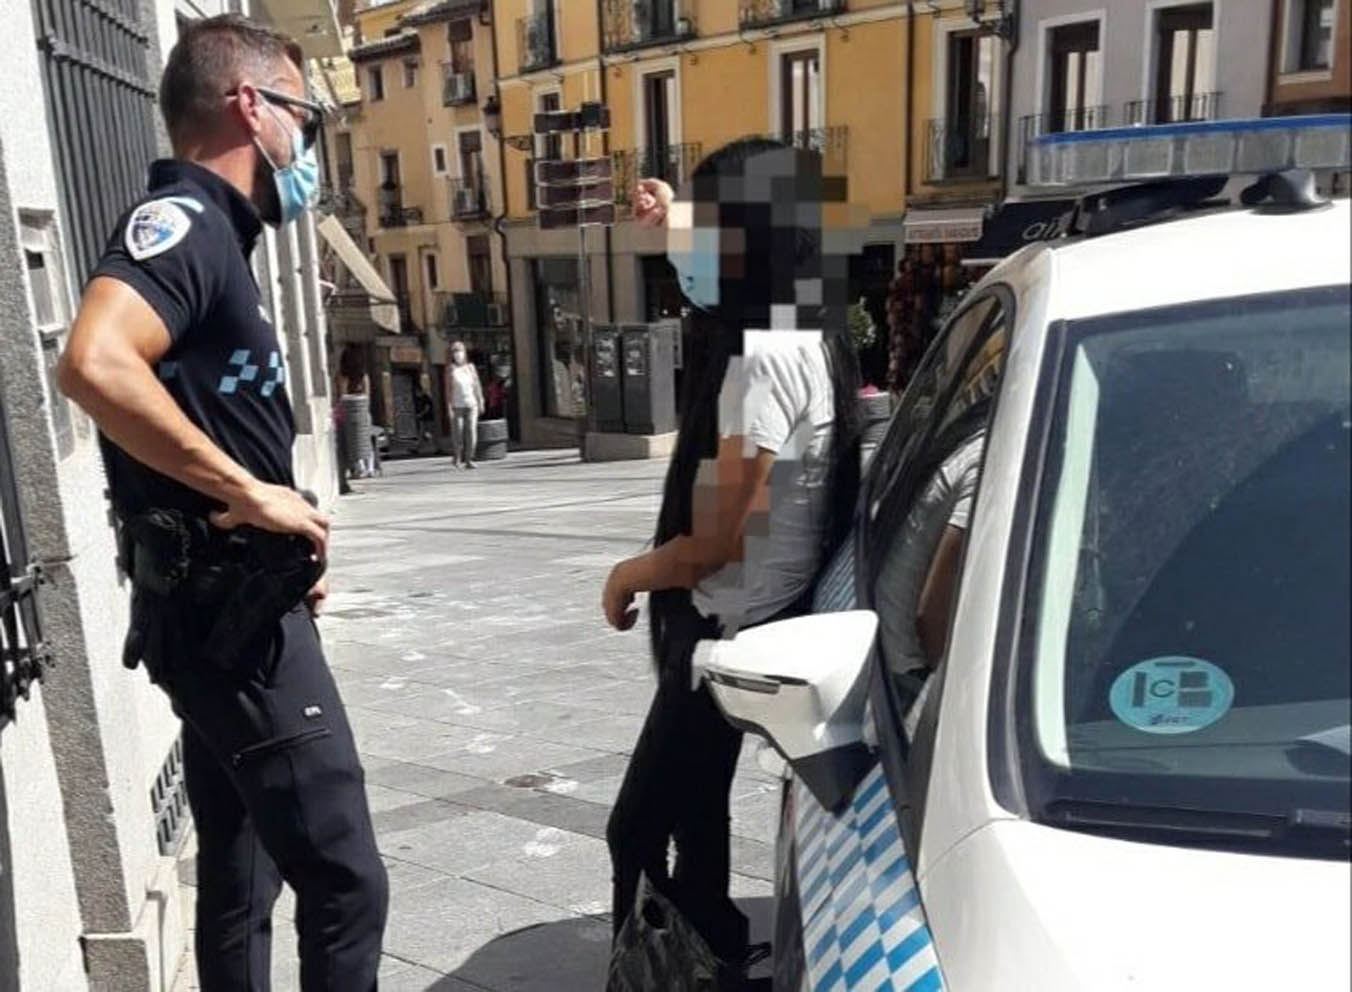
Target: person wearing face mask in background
{"type": "Point", "coordinates": [769, 389]}
{"type": "Point", "coordinates": [467, 405]}
{"type": "Point", "coordinates": [175, 358]}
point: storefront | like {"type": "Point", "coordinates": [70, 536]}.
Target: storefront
{"type": "Point", "coordinates": [561, 347]}
{"type": "Point", "coordinates": [931, 280]}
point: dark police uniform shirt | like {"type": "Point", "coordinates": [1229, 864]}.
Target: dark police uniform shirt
{"type": "Point", "coordinates": [185, 249]}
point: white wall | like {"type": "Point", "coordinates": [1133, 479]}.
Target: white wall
{"type": "Point", "coordinates": [1127, 43]}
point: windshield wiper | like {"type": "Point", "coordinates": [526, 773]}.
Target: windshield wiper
{"type": "Point", "coordinates": [1307, 829]}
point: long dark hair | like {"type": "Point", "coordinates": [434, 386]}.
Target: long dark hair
{"type": "Point", "coordinates": [774, 255]}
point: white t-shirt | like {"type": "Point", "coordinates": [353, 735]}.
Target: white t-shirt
{"type": "Point", "coordinates": [464, 394]}
{"type": "Point", "coordinates": [777, 395]}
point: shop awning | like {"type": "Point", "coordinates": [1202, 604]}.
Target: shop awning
{"type": "Point", "coordinates": [384, 310]}
{"type": "Point", "coordinates": [1017, 224]}
{"type": "Point", "coordinates": [943, 225]}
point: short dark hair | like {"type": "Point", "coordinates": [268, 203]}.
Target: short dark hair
{"type": "Point", "coordinates": [211, 57]}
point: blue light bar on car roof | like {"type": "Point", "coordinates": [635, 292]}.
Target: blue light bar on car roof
{"type": "Point", "coordinates": [1162, 151]}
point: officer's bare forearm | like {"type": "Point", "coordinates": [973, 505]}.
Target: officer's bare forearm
{"type": "Point", "coordinates": [132, 407]}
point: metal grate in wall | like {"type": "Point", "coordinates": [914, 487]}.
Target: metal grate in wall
{"type": "Point", "coordinates": [169, 802]}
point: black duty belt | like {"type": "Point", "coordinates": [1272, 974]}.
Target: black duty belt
{"type": "Point", "coordinates": [216, 590]}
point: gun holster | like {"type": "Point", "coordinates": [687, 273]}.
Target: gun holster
{"type": "Point", "coordinates": [208, 591]}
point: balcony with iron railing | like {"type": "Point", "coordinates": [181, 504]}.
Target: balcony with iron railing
{"type": "Point", "coordinates": [961, 149]}
{"type": "Point", "coordinates": [1173, 109]}
{"type": "Point", "coordinates": [672, 163]}
{"type": "Point", "coordinates": [472, 311]}
{"type": "Point", "coordinates": [633, 24]}
{"type": "Point", "coordinates": [457, 85]}
{"type": "Point", "coordinates": [468, 199]}
{"type": "Point", "coordinates": [1033, 126]}
{"type": "Point", "coordinates": [768, 13]}
{"type": "Point", "coordinates": [832, 143]}
{"type": "Point", "coordinates": [393, 211]}
{"type": "Point", "coordinates": [341, 200]}
{"type": "Point", "coordinates": [535, 43]}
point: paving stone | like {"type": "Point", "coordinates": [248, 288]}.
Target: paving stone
{"type": "Point", "coordinates": [440, 926]}
{"type": "Point", "coordinates": [416, 814]}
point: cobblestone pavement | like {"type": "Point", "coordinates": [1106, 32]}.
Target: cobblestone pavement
{"type": "Point", "coordinates": [495, 711]}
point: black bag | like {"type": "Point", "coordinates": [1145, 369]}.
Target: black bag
{"type": "Point", "coordinates": [659, 949]}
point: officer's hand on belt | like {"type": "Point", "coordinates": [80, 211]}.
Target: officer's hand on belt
{"type": "Point", "coordinates": [280, 510]}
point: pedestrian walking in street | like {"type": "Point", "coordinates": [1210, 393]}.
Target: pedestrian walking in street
{"type": "Point", "coordinates": [761, 484]}
{"type": "Point", "coordinates": [173, 355]}
{"type": "Point", "coordinates": [467, 405]}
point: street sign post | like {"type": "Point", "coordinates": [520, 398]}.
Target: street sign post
{"type": "Point", "coordinates": [577, 192]}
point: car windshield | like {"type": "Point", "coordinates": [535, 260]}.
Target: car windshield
{"type": "Point", "coordinates": [1186, 632]}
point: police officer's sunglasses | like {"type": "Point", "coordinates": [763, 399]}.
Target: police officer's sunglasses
{"type": "Point", "coordinates": [314, 113]}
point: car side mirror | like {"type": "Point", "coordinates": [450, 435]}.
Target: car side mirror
{"type": "Point", "coordinates": [801, 685]}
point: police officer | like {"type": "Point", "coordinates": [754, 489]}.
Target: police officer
{"type": "Point", "coordinates": [173, 355]}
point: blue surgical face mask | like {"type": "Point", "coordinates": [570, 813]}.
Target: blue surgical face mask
{"type": "Point", "coordinates": [297, 183]}
{"type": "Point", "coordinates": [695, 257]}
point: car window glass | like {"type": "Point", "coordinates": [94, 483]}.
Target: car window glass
{"type": "Point", "coordinates": [921, 529]}
{"type": "Point", "coordinates": [922, 393]}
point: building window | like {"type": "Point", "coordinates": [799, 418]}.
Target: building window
{"type": "Point", "coordinates": [800, 110]}
{"type": "Point", "coordinates": [460, 37]}
{"type": "Point", "coordinates": [480, 263]}
{"type": "Point", "coordinates": [439, 159]}
{"type": "Point", "coordinates": [433, 280]}
{"type": "Point", "coordinates": [471, 157]}
{"type": "Point", "coordinates": [375, 83]}
{"type": "Point", "coordinates": [1185, 45]}
{"type": "Point", "coordinates": [562, 354]}
{"type": "Point", "coordinates": [963, 141]}
{"type": "Point", "coordinates": [342, 145]}
{"type": "Point", "coordinates": [410, 73]}
{"type": "Point", "coordinates": [1309, 35]}
{"type": "Point", "coordinates": [659, 108]}
{"type": "Point", "coordinates": [1076, 96]}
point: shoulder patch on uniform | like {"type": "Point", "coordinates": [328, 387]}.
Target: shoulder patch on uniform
{"type": "Point", "coordinates": [155, 227]}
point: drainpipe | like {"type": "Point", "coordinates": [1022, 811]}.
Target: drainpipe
{"type": "Point", "coordinates": [1007, 97]}
{"type": "Point", "coordinates": [514, 413]}
{"type": "Point", "coordinates": [910, 103]}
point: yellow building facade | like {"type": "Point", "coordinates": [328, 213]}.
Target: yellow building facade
{"type": "Point", "coordinates": [869, 83]}
{"type": "Point", "coordinates": [425, 188]}
{"type": "Point", "coordinates": [901, 98]}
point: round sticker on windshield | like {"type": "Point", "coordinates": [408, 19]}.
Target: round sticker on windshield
{"type": "Point", "coordinates": [1174, 695]}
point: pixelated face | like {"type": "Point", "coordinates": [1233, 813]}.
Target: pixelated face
{"type": "Point", "coordinates": [764, 246]}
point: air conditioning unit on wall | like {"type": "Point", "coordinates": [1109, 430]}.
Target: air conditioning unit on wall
{"type": "Point", "coordinates": [460, 87]}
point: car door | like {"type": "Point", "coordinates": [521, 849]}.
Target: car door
{"type": "Point", "coordinates": [847, 891]}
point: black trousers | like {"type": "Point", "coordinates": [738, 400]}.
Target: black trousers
{"type": "Point", "coordinates": [277, 793]}
{"type": "Point", "coordinates": [677, 787]}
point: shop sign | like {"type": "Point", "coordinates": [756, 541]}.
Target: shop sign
{"type": "Point", "coordinates": [942, 231]}
{"type": "Point", "coordinates": [406, 356]}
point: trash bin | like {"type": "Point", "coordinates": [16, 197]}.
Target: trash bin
{"type": "Point", "coordinates": [648, 365]}
{"type": "Point", "coordinates": [357, 445]}
{"type": "Point", "coordinates": [603, 367]}
{"type": "Point", "coordinates": [492, 440]}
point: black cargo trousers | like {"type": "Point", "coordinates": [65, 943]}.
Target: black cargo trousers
{"type": "Point", "coordinates": [277, 793]}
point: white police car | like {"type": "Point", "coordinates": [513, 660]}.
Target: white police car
{"type": "Point", "coordinates": [1120, 483]}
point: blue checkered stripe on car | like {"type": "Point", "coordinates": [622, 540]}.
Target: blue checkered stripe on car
{"type": "Point", "coordinates": [863, 925]}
